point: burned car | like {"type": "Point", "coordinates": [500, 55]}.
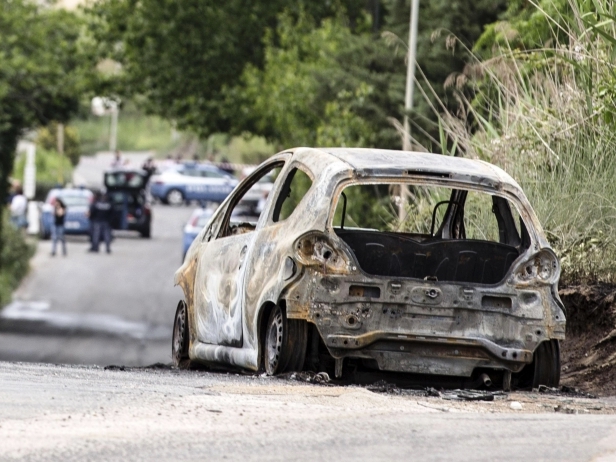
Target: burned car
{"type": "Point", "coordinates": [380, 260]}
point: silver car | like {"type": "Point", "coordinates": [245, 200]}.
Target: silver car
{"type": "Point", "coordinates": [374, 260]}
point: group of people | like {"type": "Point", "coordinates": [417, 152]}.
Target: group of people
{"type": "Point", "coordinates": [100, 214]}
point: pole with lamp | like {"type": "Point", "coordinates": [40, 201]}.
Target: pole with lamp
{"type": "Point", "coordinates": [106, 106]}
{"type": "Point", "coordinates": [408, 100]}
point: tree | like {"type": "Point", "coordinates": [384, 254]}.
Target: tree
{"type": "Point", "coordinates": [438, 56]}
{"type": "Point", "coordinates": [202, 63]}
{"type": "Point", "coordinates": [41, 78]}
{"type": "Point", "coordinates": [323, 85]}
{"type": "Point", "coordinates": [185, 58]}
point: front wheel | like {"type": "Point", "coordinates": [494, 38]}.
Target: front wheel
{"type": "Point", "coordinates": [174, 197]}
{"type": "Point", "coordinates": [285, 343]}
{"type": "Point", "coordinates": [180, 342]}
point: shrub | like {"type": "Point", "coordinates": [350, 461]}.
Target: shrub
{"type": "Point", "coordinates": [51, 167]}
{"type": "Point", "coordinates": [14, 260]}
{"type": "Point", "coordinates": [48, 140]}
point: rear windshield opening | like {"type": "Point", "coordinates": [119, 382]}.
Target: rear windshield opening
{"type": "Point", "coordinates": [430, 232]}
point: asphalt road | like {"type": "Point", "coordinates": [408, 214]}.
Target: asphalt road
{"type": "Point", "coordinates": [82, 413]}
{"type": "Point", "coordinates": [97, 308]}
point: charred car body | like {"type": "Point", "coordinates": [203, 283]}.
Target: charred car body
{"type": "Point", "coordinates": [393, 261]}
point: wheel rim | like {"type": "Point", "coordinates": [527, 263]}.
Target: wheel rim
{"type": "Point", "coordinates": [179, 336]}
{"type": "Point", "coordinates": [175, 197]}
{"type": "Point", "coordinates": [275, 333]}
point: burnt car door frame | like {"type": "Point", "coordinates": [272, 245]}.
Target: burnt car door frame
{"type": "Point", "coordinates": [269, 250]}
{"type": "Point", "coordinates": [220, 271]}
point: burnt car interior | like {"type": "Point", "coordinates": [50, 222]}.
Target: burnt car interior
{"type": "Point", "coordinates": [450, 235]}
{"type": "Point", "coordinates": [238, 219]}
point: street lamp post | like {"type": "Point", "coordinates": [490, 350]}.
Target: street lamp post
{"type": "Point", "coordinates": [106, 106]}
{"type": "Point", "coordinates": [408, 99]}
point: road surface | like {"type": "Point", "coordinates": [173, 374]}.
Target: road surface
{"type": "Point", "coordinates": [82, 413]}
{"type": "Point", "coordinates": [98, 308]}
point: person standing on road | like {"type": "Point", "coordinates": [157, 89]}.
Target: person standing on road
{"type": "Point", "coordinates": [117, 161]}
{"type": "Point", "coordinates": [18, 207]}
{"type": "Point", "coordinates": [57, 231]}
{"type": "Point", "coordinates": [100, 218]}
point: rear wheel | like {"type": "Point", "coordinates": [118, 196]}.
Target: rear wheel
{"type": "Point", "coordinates": [545, 368]}
{"type": "Point", "coordinates": [180, 343]}
{"type": "Point", "coordinates": [174, 197]}
{"type": "Point", "coordinates": [146, 232]}
{"type": "Point", "coordinates": [285, 343]}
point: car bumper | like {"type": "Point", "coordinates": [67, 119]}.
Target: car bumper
{"type": "Point", "coordinates": [423, 327]}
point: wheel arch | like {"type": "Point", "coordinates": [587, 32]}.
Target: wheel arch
{"type": "Point", "coordinates": [262, 317]}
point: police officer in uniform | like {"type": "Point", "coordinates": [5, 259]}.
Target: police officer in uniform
{"type": "Point", "coordinates": [100, 219]}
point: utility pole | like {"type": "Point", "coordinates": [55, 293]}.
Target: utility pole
{"type": "Point", "coordinates": [410, 73]}
{"type": "Point", "coordinates": [60, 139]}
{"type": "Point", "coordinates": [408, 100]}
{"type": "Point", "coordinates": [113, 132]}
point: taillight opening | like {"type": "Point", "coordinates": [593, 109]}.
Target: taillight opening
{"type": "Point", "coordinates": [316, 250]}
{"type": "Point", "coordinates": [542, 267]}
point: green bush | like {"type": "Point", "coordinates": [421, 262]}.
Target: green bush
{"type": "Point", "coordinates": [14, 261]}
{"type": "Point", "coordinates": [51, 167]}
{"type": "Point", "coordinates": [48, 140]}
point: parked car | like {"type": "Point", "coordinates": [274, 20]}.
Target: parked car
{"type": "Point", "coordinates": [77, 203]}
{"type": "Point", "coordinates": [199, 218]}
{"type": "Point", "coordinates": [255, 198]}
{"type": "Point", "coordinates": [191, 182]}
{"type": "Point", "coordinates": [379, 261]}
{"type": "Point", "coordinates": [126, 189]}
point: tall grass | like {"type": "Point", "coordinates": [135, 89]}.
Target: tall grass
{"type": "Point", "coordinates": [548, 118]}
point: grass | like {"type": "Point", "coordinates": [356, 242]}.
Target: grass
{"type": "Point", "coordinates": [136, 132]}
{"type": "Point", "coordinates": [547, 117]}
{"type": "Point", "coordinates": [16, 253]}
{"type": "Point", "coordinates": [139, 132]}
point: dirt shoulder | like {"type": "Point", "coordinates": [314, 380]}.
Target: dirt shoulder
{"type": "Point", "coordinates": [588, 354]}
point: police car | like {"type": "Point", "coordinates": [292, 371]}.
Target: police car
{"type": "Point", "coordinates": [77, 202]}
{"type": "Point", "coordinates": [187, 182]}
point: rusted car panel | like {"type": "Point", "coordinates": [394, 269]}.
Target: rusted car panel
{"type": "Point", "coordinates": [399, 321]}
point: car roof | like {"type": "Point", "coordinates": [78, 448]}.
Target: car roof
{"type": "Point", "coordinates": [383, 162]}
{"type": "Point", "coordinates": [198, 167]}
{"type": "Point", "coordinates": [70, 191]}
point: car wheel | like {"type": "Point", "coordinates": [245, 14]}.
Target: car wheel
{"type": "Point", "coordinates": [174, 197]}
{"type": "Point", "coordinates": [146, 232]}
{"type": "Point", "coordinates": [545, 368]}
{"type": "Point", "coordinates": [285, 343]}
{"type": "Point", "coordinates": [179, 344]}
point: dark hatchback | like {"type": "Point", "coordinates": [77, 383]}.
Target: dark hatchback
{"type": "Point", "coordinates": [127, 192]}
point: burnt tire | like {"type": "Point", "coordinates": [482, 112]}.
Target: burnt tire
{"type": "Point", "coordinates": [180, 340]}
{"type": "Point", "coordinates": [284, 343]}
{"type": "Point", "coordinates": [545, 368]}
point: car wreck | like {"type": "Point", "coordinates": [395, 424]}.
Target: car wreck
{"type": "Point", "coordinates": [382, 260]}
